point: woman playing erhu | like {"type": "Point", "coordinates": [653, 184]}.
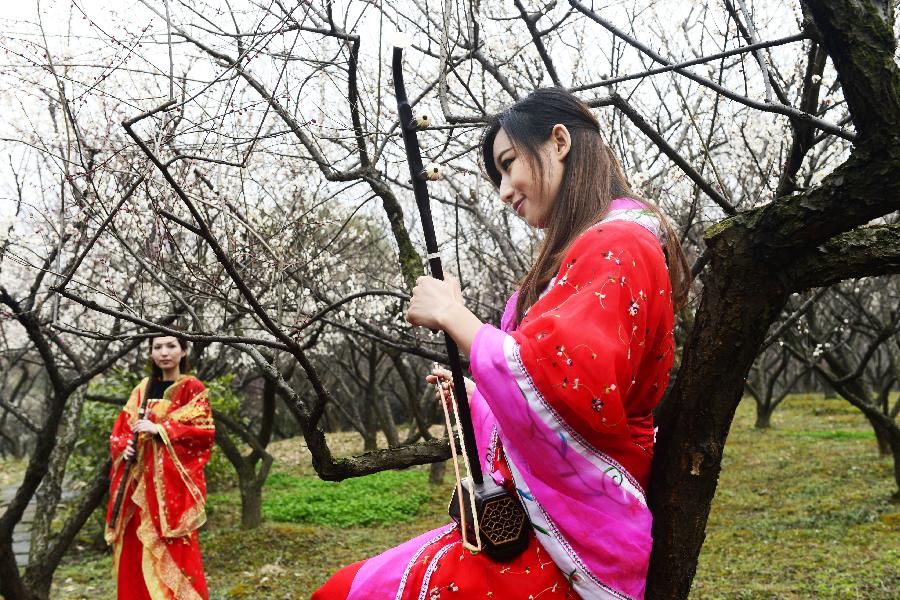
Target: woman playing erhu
{"type": "Point", "coordinates": [565, 387]}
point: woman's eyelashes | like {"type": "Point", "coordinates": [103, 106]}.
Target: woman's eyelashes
{"type": "Point", "coordinates": [504, 164]}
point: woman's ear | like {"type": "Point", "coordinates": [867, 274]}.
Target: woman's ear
{"type": "Point", "coordinates": [561, 141]}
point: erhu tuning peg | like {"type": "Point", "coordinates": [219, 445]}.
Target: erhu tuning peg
{"type": "Point", "coordinates": [431, 172]}
{"type": "Point", "coordinates": [419, 123]}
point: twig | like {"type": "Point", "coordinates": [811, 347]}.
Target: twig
{"type": "Point", "coordinates": [188, 335]}
{"type": "Point", "coordinates": [673, 155]}
{"type": "Point", "coordinates": [792, 319]}
{"type": "Point", "coordinates": [773, 108]}
{"type": "Point", "coordinates": [531, 24]}
{"type": "Point", "coordinates": [103, 226]}
{"type": "Point", "coordinates": [760, 57]}
{"type": "Point", "coordinates": [696, 61]}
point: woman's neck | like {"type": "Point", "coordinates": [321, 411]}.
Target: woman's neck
{"type": "Point", "coordinates": [170, 374]}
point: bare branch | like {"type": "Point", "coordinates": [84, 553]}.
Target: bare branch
{"type": "Point", "coordinates": [537, 38]}
{"type": "Point", "coordinates": [773, 108]}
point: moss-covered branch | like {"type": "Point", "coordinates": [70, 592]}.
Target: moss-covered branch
{"type": "Point", "coordinates": [863, 252]}
{"type": "Point", "coordinates": [859, 37]}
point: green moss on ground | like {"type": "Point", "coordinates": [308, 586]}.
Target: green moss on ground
{"type": "Point", "coordinates": [399, 494]}
{"type": "Point", "coordinates": [803, 511]}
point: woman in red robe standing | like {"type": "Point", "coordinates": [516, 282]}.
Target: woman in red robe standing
{"type": "Point", "coordinates": [156, 551]}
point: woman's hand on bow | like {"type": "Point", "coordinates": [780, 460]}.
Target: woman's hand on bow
{"type": "Point", "coordinates": [446, 380]}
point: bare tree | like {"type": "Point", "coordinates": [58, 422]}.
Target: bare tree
{"type": "Point", "coordinates": [856, 357]}
{"type": "Point", "coordinates": [272, 205]}
{"type": "Point", "coordinates": [771, 382]}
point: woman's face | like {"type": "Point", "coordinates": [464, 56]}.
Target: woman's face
{"type": "Point", "coordinates": [529, 192]}
{"type": "Point", "coordinates": [166, 352]}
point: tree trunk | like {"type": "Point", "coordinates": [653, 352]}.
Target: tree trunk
{"type": "Point", "coordinates": [370, 428]}
{"type": "Point", "coordinates": [387, 419]}
{"type": "Point", "coordinates": [436, 473]}
{"type": "Point", "coordinates": [740, 301]}
{"type": "Point", "coordinates": [11, 584]}
{"type": "Point", "coordinates": [250, 481]}
{"type": "Point", "coordinates": [407, 378]}
{"type": "Point", "coordinates": [252, 484]}
{"type": "Point", "coordinates": [49, 494]}
{"type": "Point", "coordinates": [894, 441]}
{"type": "Point", "coordinates": [882, 437]}
{"type": "Point", "coordinates": [39, 574]}
{"type": "Point", "coordinates": [251, 501]}
{"type": "Point", "coordinates": [809, 382]}
{"type": "Point", "coordinates": [763, 415]}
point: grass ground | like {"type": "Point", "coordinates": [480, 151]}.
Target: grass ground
{"type": "Point", "coordinates": [803, 511]}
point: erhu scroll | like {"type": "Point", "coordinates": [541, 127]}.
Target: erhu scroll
{"type": "Point", "coordinates": [499, 526]}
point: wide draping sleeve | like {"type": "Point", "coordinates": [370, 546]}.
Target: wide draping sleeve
{"type": "Point", "coordinates": [571, 389]}
{"type": "Point", "coordinates": [186, 434]}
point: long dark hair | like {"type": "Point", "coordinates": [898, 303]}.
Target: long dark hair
{"type": "Point", "coordinates": [156, 373]}
{"type": "Point", "coordinates": [593, 177]}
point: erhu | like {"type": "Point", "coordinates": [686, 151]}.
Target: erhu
{"type": "Point", "coordinates": [499, 526]}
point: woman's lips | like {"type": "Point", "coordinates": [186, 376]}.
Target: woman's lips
{"type": "Point", "coordinates": [517, 205]}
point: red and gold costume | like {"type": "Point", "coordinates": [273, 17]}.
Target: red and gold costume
{"type": "Point", "coordinates": [156, 551]}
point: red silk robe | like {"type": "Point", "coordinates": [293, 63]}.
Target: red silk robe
{"type": "Point", "coordinates": [156, 551]}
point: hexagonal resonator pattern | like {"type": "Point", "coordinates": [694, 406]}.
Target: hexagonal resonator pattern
{"type": "Point", "coordinates": [502, 520]}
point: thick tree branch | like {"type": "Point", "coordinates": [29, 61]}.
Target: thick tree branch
{"type": "Point", "coordinates": [864, 252]}
{"type": "Point", "coordinates": [859, 37]}
{"type": "Point", "coordinates": [431, 451]}
{"type": "Point", "coordinates": [864, 188]}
